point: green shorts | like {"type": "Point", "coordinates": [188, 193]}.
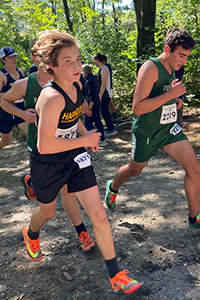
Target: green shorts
{"type": "Point", "coordinates": [143, 148]}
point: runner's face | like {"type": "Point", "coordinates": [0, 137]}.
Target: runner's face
{"type": "Point", "coordinates": [178, 58]}
{"type": "Point", "coordinates": [69, 64]}
{"type": "Point", "coordinates": [10, 61]}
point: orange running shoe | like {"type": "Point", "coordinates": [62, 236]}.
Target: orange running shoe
{"type": "Point", "coordinates": [32, 246]}
{"type": "Point", "coordinates": [28, 190]}
{"type": "Point", "coordinates": [122, 282]}
{"type": "Point", "coordinates": [86, 243]}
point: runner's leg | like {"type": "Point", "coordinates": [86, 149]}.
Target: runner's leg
{"type": "Point", "coordinates": [125, 172]}
{"type": "Point", "coordinates": [184, 155]}
{"type": "Point", "coordinates": [42, 214]}
{"type": "Point", "coordinates": [23, 126]}
{"type": "Point", "coordinates": [71, 206]}
{"type": "Point", "coordinates": [5, 139]}
{"type": "Point", "coordinates": [92, 204]}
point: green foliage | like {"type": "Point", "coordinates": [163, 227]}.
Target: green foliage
{"type": "Point", "coordinates": [182, 14]}
{"type": "Point", "coordinates": [116, 37]}
{"type": "Point", "coordinates": [120, 48]}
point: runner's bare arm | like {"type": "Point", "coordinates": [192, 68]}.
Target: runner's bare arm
{"type": "Point", "coordinates": [17, 92]}
{"type": "Point", "coordinates": [147, 76]}
{"type": "Point", "coordinates": [3, 82]}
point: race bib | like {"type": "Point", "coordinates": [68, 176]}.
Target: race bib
{"type": "Point", "coordinates": [83, 160]}
{"type": "Point", "coordinates": [169, 114]}
{"type": "Point", "coordinates": [175, 129]}
{"type": "Point", "coordinates": [68, 133]}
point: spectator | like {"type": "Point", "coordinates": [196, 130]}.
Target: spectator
{"type": "Point", "coordinates": [111, 103]}
{"type": "Point", "coordinates": [92, 97]}
{"type": "Point", "coordinates": [104, 93]}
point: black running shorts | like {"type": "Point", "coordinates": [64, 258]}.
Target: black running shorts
{"type": "Point", "coordinates": [48, 178]}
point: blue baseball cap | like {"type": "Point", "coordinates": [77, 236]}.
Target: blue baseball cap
{"type": "Point", "coordinates": [7, 52]}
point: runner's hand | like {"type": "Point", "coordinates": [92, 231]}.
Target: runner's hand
{"type": "Point", "coordinates": [176, 89]}
{"type": "Point", "coordinates": [89, 114]}
{"type": "Point", "coordinates": [93, 149]}
{"type": "Point", "coordinates": [29, 115]}
{"type": "Point", "coordinates": [92, 139]}
{"type": "Point", "coordinates": [179, 103]}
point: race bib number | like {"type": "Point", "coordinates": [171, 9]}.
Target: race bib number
{"type": "Point", "coordinates": [69, 133]}
{"type": "Point", "coordinates": [169, 114]}
{"type": "Point", "coordinates": [83, 160]}
{"type": "Point", "coordinates": [175, 129]}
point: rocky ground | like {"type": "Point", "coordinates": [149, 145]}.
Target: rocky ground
{"type": "Point", "coordinates": [149, 227]}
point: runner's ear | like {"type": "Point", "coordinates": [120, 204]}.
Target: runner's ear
{"type": "Point", "coordinates": [167, 49]}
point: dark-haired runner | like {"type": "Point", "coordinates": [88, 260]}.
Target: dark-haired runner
{"type": "Point", "coordinates": [155, 124]}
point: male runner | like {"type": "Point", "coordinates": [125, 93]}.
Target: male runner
{"type": "Point", "coordinates": [8, 75]}
{"type": "Point", "coordinates": [59, 156]}
{"type": "Point", "coordinates": [29, 88]}
{"type": "Point", "coordinates": [155, 124]}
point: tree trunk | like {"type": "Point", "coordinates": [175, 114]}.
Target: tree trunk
{"type": "Point", "coordinates": [115, 17]}
{"type": "Point", "coordinates": [102, 12]}
{"type": "Point", "coordinates": [67, 14]}
{"type": "Point", "coordinates": [145, 13]}
{"type": "Point", "coordinates": [53, 9]}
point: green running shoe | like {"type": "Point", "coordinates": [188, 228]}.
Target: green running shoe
{"type": "Point", "coordinates": [195, 225]}
{"type": "Point", "coordinates": [110, 196]}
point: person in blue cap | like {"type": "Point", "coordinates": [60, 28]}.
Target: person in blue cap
{"type": "Point", "coordinates": [8, 75]}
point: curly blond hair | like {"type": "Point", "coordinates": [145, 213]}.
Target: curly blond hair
{"type": "Point", "coordinates": [49, 45]}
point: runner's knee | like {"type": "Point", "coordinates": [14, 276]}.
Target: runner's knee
{"type": "Point", "coordinates": [194, 170]}
{"type": "Point", "coordinates": [133, 172]}
{"type": "Point", "coordinates": [99, 218]}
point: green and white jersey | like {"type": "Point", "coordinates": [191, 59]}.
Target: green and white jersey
{"type": "Point", "coordinates": [32, 93]}
{"type": "Point", "coordinates": [157, 123]}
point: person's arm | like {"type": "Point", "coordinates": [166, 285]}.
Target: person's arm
{"type": "Point", "coordinates": [85, 108]}
{"type": "Point", "coordinates": [89, 113]}
{"type": "Point", "coordinates": [3, 82]}
{"type": "Point", "coordinates": [17, 92]}
{"type": "Point", "coordinates": [91, 94]}
{"type": "Point", "coordinates": [179, 103]}
{"type": "Point", "coordinates": [83, 131]}
{"type": "Point", "coordinates": [104, 75]}
{"type": "Point", "coordinates": [147, 76]}
{"type": "Point", "coordinates": [49, 106]}
{"type": "Point", "coordinates": [92, 91]}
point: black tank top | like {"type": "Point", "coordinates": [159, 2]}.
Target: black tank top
{"type": "Point", "coordinates": [10, 80]}
{"type": "Point", "coordinates": [67, 125]}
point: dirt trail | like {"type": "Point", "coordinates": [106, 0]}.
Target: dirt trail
{"type": "Point", "coordinates": [149, 227]}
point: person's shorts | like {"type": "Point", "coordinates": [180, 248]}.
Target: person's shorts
{"type": "Point", "coordinates": [48, 178]}
{"type": "Point", "coordinates": [8, 121]}
{"type": "Point", "coordinates": [142, 148]}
